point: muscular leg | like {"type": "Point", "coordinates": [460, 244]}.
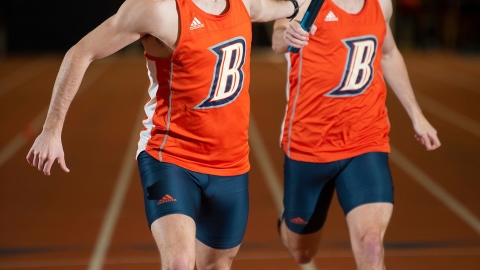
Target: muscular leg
{"type": "Point", "coordinates": [175, 238]}
{"type": "Point", "coordinates": [183, 206]}
{"type": "Point", "coordinates": [365, 191]}
{"type": "Point", "coordinates": [221, 222]}
{"type": "Point", "coordinates": [367, 225]}
{"type": "Point", "coordinates": [302, 247]}
{"type": "Point", "coordinates": [209, 258]}
{"type": "Point", "coordinates": [308, 191]}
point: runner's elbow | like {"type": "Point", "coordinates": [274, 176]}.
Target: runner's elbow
{"type": "Point", "coordinates": [79, 54]}
{"type": "Point", "coordinates": [279, 48]}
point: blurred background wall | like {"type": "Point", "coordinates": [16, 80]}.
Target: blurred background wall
{"type": "Point", "coordinates": [56, 25]}
{"type": "Point", "coordinates": [50, 25]}
{"type": "Point", "coordinates": [438, 24]}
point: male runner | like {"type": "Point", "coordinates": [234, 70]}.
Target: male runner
{"type": "Point", "coordinates": [193, 150]}
{"type": "Point", "coordinates": [335, 132]}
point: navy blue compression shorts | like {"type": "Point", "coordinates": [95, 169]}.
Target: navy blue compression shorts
{"type": "Point", "coordinates": [309, 188]}
{"type": "Point", "coordinates": [217, 204]}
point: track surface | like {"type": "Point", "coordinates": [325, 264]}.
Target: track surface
{"type": "Point", "coordinates": [93, 217]}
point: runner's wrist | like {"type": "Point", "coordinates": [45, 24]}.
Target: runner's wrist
{"type": "Point", "coordinates": [295, 12]}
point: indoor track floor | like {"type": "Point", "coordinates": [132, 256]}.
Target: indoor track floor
{"type": "Point", "coordinates": [93, 216]}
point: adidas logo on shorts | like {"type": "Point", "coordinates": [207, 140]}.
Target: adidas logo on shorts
{"type": "Point", "coordinates": [196, 24]}
{"type": "Point", "coordinates": [299, 221]}
{"type": "Point", "coordinates": [165, 199]}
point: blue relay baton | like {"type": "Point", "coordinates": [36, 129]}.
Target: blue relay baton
{"type": "Point", "coordinates": [308, 19]}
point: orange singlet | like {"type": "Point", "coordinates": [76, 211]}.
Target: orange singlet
{"type": "Point", "coordinates": [198, 110]}
{"type": "Point", "coordinates": [336, 92]}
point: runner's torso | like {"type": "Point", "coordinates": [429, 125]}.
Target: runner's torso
{"type": "Point", "coordinates": [336, 106]}
{"type": "Point", "coordinates": [198, 110]}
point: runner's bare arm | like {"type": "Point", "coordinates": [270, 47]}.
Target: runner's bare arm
{"type": "Point", "coordinates": [123, 28]}
{"type": "Point", "coordinates": [269, 10]}
{"type": "Point", "coordinates": [290, 33]}
{"type": "Point", "coordinates": [396, 74]}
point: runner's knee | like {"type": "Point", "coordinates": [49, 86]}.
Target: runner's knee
{"type": "Point", "coordinates": [302, 247]}
{"type": "Point", "coordinates": [178, 262]}
{"type": "Point", "coordinates": [218, 265]}
{"type": "Point", "coordinates": [371, 247]}
{"type": "Point", "coordinates": [208, 258]}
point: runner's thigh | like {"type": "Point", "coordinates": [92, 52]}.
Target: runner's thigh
{"type": "Point", "coordinates": [308, 191]}
{"type": "Point", "coordinates": [168, 189]}
{"type": "Point", "coordinates": [365, 179]}
{"type": "Point", "coordinates": [223, 214]}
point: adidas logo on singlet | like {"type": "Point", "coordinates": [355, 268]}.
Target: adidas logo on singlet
{"type": "Point", "coordinates": [331, 17]}
{"type": "Point", "coordinates": [196, 24]}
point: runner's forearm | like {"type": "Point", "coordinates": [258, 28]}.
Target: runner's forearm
{"type": "Point", "coordinates": [66, 86]}
{"type": "Point", "coordinates": [396, 74]}
{"type": "Point", "coordinates": [269, 10]}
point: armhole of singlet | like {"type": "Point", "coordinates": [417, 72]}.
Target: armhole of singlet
{"type": "Point", "coordinates": [379, 7]}
{"type": "Point", "coordinates": [181, 29]}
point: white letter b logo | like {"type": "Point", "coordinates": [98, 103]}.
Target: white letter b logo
{"type": "Point", "coordinates": [228, 76]}
{"type": "Point", "coordinates": [358, 73]}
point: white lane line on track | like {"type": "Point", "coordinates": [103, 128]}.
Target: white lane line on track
{"type": "Point", "coordinates": [451, 116]}
{"type": "Point", "coordinates": [437, 191]}
{"type": "Point", "coordinates": [23, 74]}
{"type": "Point", "coordinates": [116, 201]}
{"type": "Point", "coordinates": [261, 156]}
{"type": "Point", "coordinates": [32, 129]}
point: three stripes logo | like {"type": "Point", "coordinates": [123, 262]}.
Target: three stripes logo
{"type": "Point", "coordinates": [299, 221]}
{"type": "Point", "coordinates": [331, 17]}
{"type": "Point", "coordinates": [196, 24]}
{"type": "Point", "coordinates": [165, 199]}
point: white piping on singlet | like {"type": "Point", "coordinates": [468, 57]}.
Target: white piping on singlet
{"type": "Point", "coordinates": [282, 128]}
{"type": "Point", "coordinates": [149, 108]}
{"type": "Point", "coordinates": [299, 76]}
{"type": "Point", "coordinates": [169, 114]}
{"type": "Point", "coordinates": [146, 135]}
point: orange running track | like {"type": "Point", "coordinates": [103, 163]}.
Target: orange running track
{"type": "Point", "coordinates": [92, 217]}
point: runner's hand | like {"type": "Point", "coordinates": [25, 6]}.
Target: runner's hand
{"type": "Point", "coordinates": [45, 150]}
{"type": "Point", "coordinates": [296, 36]}
{"type": "Point", "coordinates": [426, 134]}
